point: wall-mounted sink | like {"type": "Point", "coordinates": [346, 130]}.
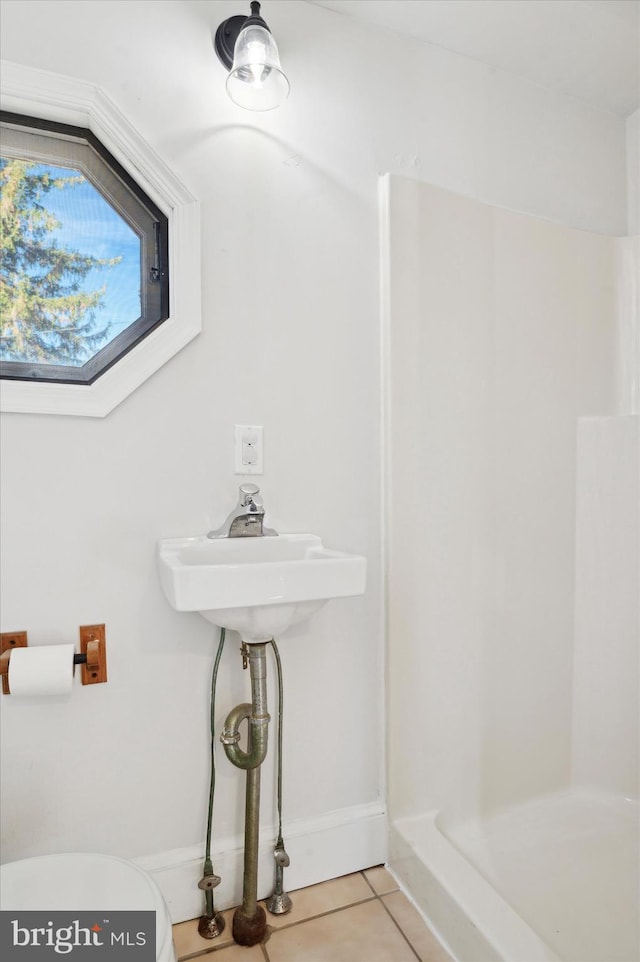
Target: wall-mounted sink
{"type": "Point", "coordinates": [256, 586]}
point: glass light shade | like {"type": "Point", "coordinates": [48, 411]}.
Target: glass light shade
{"type": "Point", "coordinates": [256, 80]}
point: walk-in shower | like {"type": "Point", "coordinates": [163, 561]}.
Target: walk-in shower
{"type": "Point", "coordinates": [511, 369]}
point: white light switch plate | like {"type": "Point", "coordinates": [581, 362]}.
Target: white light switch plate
{"type": "Point", "coordinates": [248, 449]}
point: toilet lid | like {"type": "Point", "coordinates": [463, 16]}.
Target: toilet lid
{"type": "Point", "coordinates": [82, 882]}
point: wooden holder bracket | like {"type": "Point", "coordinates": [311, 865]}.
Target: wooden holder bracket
{"type": "Point", "coordinates": [93, 644]}
{"type": "Point", "coordinates": [8, 641]}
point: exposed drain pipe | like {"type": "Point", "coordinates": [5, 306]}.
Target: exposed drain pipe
{"type": "Point", "coordinates": [249, 919]}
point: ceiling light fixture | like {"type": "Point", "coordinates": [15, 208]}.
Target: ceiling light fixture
{"type": "Point", "coordinates": [247, 49]}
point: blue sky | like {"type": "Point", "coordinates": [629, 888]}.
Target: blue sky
{"type": "Point", "coordinates": [91, 226]}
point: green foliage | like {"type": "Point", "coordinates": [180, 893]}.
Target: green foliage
{"type": "Point", "coordinates": [45, 317]}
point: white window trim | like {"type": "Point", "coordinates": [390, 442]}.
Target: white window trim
{"type": "Point", "coordinates": [38, 93]}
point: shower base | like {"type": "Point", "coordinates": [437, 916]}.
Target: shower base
{"type": "Point", "coordinates": [554, 878]}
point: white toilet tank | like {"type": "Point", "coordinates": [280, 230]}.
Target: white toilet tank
{"type": "Point", "coordinates": [85, 882]}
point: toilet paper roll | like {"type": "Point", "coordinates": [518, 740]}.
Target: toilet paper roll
{"type": "Point", "coordinates": [42, 670]}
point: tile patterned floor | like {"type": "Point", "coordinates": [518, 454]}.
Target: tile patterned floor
{"type": "Point", "coordinates": [357, 918]}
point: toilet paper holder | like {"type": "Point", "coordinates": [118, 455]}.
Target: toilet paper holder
{"type": "Point", "coordinates": [92, 655]}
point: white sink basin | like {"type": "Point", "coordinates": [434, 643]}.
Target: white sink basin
{"type": "Point", "coordinates": [257, 586]}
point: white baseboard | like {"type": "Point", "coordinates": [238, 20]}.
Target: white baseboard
{"type": "Point", "coordinates": [321, 848]}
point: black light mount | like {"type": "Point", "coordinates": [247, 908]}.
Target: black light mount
{"type": "Point", "coordinates": [227, 33]}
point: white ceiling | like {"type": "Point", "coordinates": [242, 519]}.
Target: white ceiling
{"type": "Point", "coordinates": [588, 49]}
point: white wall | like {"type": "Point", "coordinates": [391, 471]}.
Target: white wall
{"type": "Point", "coordinates": [290, 340]}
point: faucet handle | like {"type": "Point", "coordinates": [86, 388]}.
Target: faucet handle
{"type": "Point", "coordinates": [248, 494]}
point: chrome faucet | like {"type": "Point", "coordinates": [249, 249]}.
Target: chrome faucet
{"type": "Point", "coordinates": [246, 519]}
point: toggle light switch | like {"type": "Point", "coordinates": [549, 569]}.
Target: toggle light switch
{"type": "Point", "coordinates": [248, 454]}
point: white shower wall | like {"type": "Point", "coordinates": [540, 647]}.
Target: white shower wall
{"type": "Point", "coordinates": [502, 334]}
{"type": "Point", "coordinates": [632, 138]}
{"type": "Point", "coordinates": [605, 722]}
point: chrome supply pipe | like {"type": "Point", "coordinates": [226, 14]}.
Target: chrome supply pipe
{"type": "Point", "coordinates": [249, 919]}
{"type": "Point", "coordinates": [211, 924]}
{"type": "Point", "coordinates": [279, 903]}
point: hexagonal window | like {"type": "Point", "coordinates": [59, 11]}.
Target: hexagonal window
{"type": "Point", "coordinates": [84, 255]}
